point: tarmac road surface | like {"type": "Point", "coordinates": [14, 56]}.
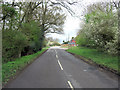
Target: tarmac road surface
{"type": "Point", "coordinates": [58, 69]}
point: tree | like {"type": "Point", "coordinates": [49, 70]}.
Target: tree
{"type": "Point", "coordinates": [50, 18]}
{"type": "Point", "coordinates": [34, 37]}
{"type": "Point", "coordinates": [100, 29]}
{"type": "Point", "coordinates": [13, 43]}
{"type": "Point", "coordinates": [117, 6]}
{"type": "Point", "coordinates": [26, 23]}
{"type": "Point", "coordinates": [9, 14]}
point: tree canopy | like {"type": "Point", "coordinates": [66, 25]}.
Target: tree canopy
{"type": "Point", "coordinates": [25, 25]}
{"type": "Point", "coordinates": [100, 28]}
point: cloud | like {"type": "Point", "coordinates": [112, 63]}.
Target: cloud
{"type": "Point", "coordinates": [71, 27]}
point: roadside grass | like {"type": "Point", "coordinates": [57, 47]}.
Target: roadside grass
{"type": "Point", "coordinates": [64, 46]}
{"type": "Point", "coordinates": [10, 69]}
{"type": "Point", "coordinates": [107, 60]}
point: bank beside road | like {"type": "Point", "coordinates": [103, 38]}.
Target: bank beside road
{"type": "Point", "coordinates": [92, 56]}
{"type": "Point", "coordinates": [12, 68]}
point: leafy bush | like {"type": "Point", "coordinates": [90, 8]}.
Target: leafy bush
{"type": "Point", "coordinates": [34, 37]}
{"type": "Point", "coordinates": [100, 30]}
{"type": "Point", "coordinates": [13, 43]}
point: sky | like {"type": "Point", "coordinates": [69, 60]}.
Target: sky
{"type": "Point", "coordinates": [70, 28]}
{"type": "Point", "coordinates": [72, 24]}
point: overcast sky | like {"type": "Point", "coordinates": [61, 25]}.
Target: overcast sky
{"type": "Point", "coordinates": [72, 24]}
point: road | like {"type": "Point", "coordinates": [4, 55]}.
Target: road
{"type": "Point", "coordinates": [58, 69]}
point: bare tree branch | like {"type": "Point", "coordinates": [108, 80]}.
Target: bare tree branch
{"type": "Point", "coordinates": [72, 3]}
{"type": "Point", "coordinates": [117, 5]}
{"type": "Point", "coordinates": [63, 5]}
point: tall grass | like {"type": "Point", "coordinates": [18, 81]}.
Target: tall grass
{"type": "Point", "coordinates": [96, 56]}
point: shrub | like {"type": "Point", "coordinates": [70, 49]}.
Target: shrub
{"type": "Point", "coordinates": [13, 43]}
{"type": "Point", "coordinates": [100, 30]}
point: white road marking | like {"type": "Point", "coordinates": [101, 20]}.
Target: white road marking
{"type": "Point", "coordinates": [85, 70]}
{"type": "Point", "coordinates": [60, 65]}
{"type": "Point", "coordinates": [56, 51]}
{"type": "Point", "coordinates": [70, 85]}
{"type": "Point", "coordinates": [56, 56]}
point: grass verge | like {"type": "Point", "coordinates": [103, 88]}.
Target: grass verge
{"type": "Point", "coordinates": [97, 57]}
{"type": "Point", "coordinates": [64, 46]}
{"type": "Point", "coordinates": [10, 69]}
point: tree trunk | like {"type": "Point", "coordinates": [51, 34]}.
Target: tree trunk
{"type": "Point", "coordinates": [3, 25]}
{"type": "Point", "coordinates": [19, 55]}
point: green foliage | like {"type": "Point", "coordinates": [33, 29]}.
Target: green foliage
{"type": "Point", "coordinates": [8, 11]}
{"type": "Point", "coordinates": [81, 39]}
{"type": "Point", "coordinates": [96, 56]}
{"type": "Point", "coordinates": [66, 42]}
{"type": "Point", "coordinates": [27, 40]}
{"type": "Point", "coordinates": [13, 43]}
{"type": "Point", "coordinates": [45, 43]}
{"type": "Point", "coordinates": [24, 26]}
{"type": "Point", "coordinates": [34, 35]}
{"type": "Point", "coordinates": [100, 31]}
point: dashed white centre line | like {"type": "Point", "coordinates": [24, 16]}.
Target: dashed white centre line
{"type": "Point", "coordinates": [70, 85]}
{"type": "Point", "coordinates": [56, 51]}
{"type": "Point", "coordinates": [85, 70]}
{"type": "Point", "coordinates": [56, 56]}
{"type": "Point", "coordinates": [62, 69]}
{"type": "Point", "coordinates": [60, 65]}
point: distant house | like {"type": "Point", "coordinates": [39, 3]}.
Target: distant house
{"type": "Point", "coordinates": [72, 42]}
